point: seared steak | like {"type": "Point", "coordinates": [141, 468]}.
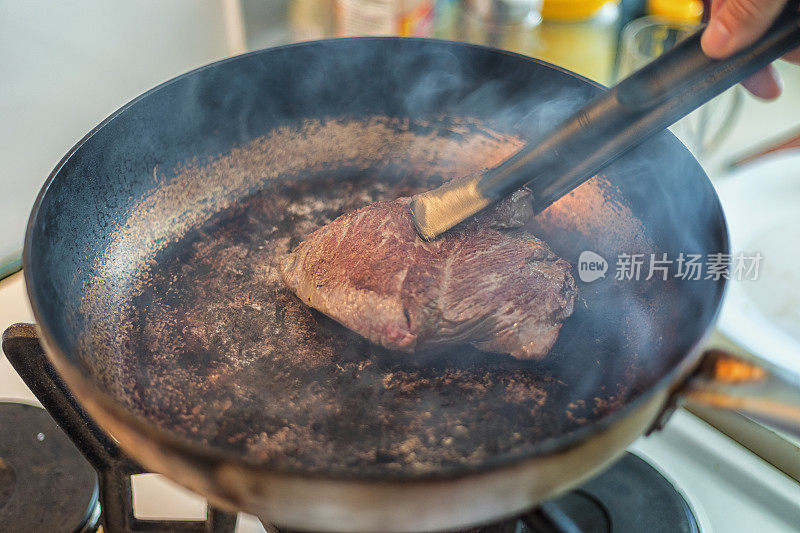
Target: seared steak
{"type": "Point", "coordinates": [486, 282]}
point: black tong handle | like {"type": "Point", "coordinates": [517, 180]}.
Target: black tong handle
{"type": "Point", "coordinates": [646, 102]}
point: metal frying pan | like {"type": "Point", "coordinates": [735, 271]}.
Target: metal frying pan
{"type": "Point", "coordinates": [150, 264]}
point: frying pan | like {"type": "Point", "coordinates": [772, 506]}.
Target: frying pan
{"type": "Point", "coordinates": [150, 264]}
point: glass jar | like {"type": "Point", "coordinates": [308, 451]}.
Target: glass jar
{"type": "Point", "coordinates": [507, 24]}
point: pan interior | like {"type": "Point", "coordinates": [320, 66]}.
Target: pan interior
{"type": "Point", "coordinates": [181, 317]}
{"type": "Point", "coordinates": [205, 341]}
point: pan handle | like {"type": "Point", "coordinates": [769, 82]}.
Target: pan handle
{"type": "Point", "coordinates": [762, 391]}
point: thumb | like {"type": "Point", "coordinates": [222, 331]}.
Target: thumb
{"type": "Point", "coordinates": [736, 24]}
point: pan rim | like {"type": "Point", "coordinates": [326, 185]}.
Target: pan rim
{"type": "Point", "coordinates": [76, 379]}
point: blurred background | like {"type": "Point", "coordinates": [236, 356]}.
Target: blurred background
{"type": "Point", "coordinates": [67, 65]}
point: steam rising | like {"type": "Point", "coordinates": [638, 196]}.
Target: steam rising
{"type": "Point", "coordinates": [395, 107]}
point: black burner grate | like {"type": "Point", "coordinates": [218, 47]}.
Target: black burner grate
{"type": "Point", "coordinates": [45, 483]}
{"type": "Point", "coordinates": [629, 497]}
{"type": "Point", "coordinates": [114, 469]}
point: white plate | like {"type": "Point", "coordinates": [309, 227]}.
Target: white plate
{"type": "Point", "coordinates": [762, 205]}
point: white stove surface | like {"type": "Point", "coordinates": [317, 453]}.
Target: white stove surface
{"type": "Point", "coordinates": [729, 488]}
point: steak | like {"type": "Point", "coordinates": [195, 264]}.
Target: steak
{"type": "Point", "coordinates": [487, 282]}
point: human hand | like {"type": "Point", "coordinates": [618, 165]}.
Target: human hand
{"type": "Point", "coordinates": [736, 24]}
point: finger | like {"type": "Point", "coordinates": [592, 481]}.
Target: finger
{"type": "Point", "coordinates": [766, 83]}
{"type": "Point", "coordinates": [737, 24]}
{"type": "Point", "coordinates": [716, 5]}
{"type": "Point", "coordinates": [793, 56]}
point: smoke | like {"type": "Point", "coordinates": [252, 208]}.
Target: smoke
{"type": "Point", "coordinates": [654, 200]}
{"type": "Point", "coordinates": [133, 182]}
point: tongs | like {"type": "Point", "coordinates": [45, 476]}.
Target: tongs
{"type": "Point", "coordinates": [644, 103]}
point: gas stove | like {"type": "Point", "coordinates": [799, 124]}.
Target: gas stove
{"type": "Point", "coordinates": [687, 477]}
{"type": "Point", "coordinates": [47, 485]}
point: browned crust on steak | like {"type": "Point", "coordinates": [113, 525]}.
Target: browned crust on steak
{"type": "Point", "coordinates": [501, 290]}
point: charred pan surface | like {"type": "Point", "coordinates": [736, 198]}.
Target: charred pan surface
{"type": "Point", "coordinates": [193, 330]}
{"type": "Point", "coordinates": [220, 351]}
{"type": "Point", "coordinates": [501, 290]}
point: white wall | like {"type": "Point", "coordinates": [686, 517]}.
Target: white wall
{"type": "Point", "coordinates": [67, 64]}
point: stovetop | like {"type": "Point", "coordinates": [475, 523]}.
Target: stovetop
{"type": "Point", "coordinates": [46, 484]}
{"type": "Point", "coordinates": [726, 487]}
